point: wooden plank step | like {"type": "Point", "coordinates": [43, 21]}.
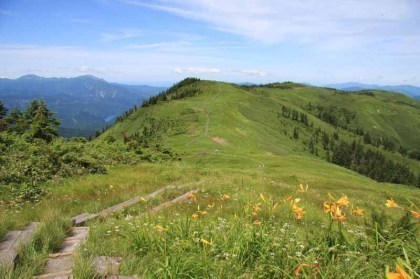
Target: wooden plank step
{"type": "Point", "coordinates": [61, 263]}
{"type": "Point", "coordinates": [67, 274]}
{"type": "Point", "coordinates": [15, 240]}
{"type": "Point", "coordinates": [120, 277]}
{"type": "Point", "coordinates": [82, 218]}
{"type": "Point", "coordinates": [172, 202]}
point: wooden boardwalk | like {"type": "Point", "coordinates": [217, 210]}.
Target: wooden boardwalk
{"type": "Point", "coordinates": [13, 242]}
{"type": "Point", "coordinates": [82, 218]}
{"type": "Point", "coordinates": [60, 265]}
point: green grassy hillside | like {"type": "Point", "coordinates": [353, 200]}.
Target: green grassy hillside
{"type": "Point", "coordinates": [247, 157]}
{"type": "Point", "coordinates": [228, 125]}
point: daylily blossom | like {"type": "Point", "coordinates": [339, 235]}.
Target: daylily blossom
{"type": "Point", "coordinates": [297, 271]}
{"type": "Point", "coordinates": [191, 196]}
{"type": "Point", "coordinates": [302, 189]}
{"type": "Point", "coordinates": [329, 207]}
{"type": "Point", "coordinates": [160, 228]}
{"type": "Point", "coordinates": [338, 215]}
{"type": "Point", "coordinates": [400, 274]}
{"type": "Point", "coordinates": [207, 242]}
{"type": "Point", "coordinates": [298, 211]}
{"type": "Point", "coordinates": [343, 201]}
{"type": "Point", "coordinates": [415, 214]}
{"type": "Point", "coordinates": [225, 197]}
{"type": "Point", "coordinates": [143, 199]}
{"type": "Point", "coordinates": [357, 211]}
{"type": "Point", "coordinates": [257, 223]}
{"type": "Point", "coordinates": [391, 203]}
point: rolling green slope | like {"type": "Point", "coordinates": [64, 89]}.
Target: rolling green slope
{"type": "Point", "coordinates": [227, 125]}
{"type": "Point", "coordinates": [250, 218]}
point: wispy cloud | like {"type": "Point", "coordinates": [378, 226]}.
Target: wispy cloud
{"type": "Point", "coordinates": [252, 73]}
{"type": "Point", "coordinates": [192, 70]}
{"type": "Point", "coordinates": [160, 46]}
{"type": "Point", "coordinates": [304, 21]}
{"type": "Point", "coordinates": [122, 34]}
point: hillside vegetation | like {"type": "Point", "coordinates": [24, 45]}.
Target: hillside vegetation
{"type": "Point", "coordinates": [282, 173]}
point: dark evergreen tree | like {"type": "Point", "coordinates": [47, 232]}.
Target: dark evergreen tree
{"type": "Point", "coordinates": [42, 123]}
{"type": "Point", "coordinates": [3, 111]}
{"type": "Point", "coordinates": [15, 121]}
{"type": "Point", "coordinates": [296, 133]}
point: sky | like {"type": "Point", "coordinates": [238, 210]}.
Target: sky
{"type": "Point", "coordinates": [159, 42]}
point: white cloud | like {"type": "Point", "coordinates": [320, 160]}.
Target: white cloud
{"type": "Point", "coordinates": [192, 70]}
{"type": "Point", "coordinates": [253, 73]}
{"type": "Point", "coordinates": [160, 46]}
{"type": "Point", "coordinates": [122, 34]}
{"type": "Point", "coordinates": [303, 20]}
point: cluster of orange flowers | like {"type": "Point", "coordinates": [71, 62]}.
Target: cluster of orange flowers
{"type": "Point", "coordinates": [199, 213]}
{"type": "Point", "coordinates": [336, 208]}
{"type": "Point", "coordinates": [392, 204]}
{"type": "Point", "coordinates": [297, 210]}
{"type": "Point", "coordinates": [400, 274]}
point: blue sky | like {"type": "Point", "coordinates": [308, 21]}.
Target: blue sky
{"type": "Point", "coordinates": [161, 41]}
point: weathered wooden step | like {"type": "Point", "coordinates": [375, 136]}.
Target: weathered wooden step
{"type": "Point", "coordinates": [61, 263]}
{"type": "Point", "coordinates": [172, 202]}
{"type": "Point", "coordinates": [82, 218]}
{"type": "Point", "coordinates": [15, 240]}
{"type": "Point", "coordinates": [120, 277]}
{"type": "Point", "coordinates": [67, 274]}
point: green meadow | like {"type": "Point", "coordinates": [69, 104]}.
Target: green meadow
{"type": "Point", "coordinates": [250, 217]}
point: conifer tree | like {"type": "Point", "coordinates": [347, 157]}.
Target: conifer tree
{"type": "Point", "coordinates": [3, 111]}
{"type": "Point", "coordinates": [42, 123]}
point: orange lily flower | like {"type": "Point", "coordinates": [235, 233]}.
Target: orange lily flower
{"type": "Point", "coordinates": [195, 215]}
{"type": "Point", "coordinates": [339, 215]}
{"type": "Point", "coordinates": [415, 214]}
{"type": "Point", "coordinates": [343, 201]}
{"type": "Point", "coordinates": [400, 274]}
{"type": "Point", "coordinates": [329, 207]}
{"type": "Point", "coordinates": [297, 271]}
{"type": "Point", "coordinates": [257, 223]}
{"type": "Point", "coordinates": [225, 197]}
{"type": "Point", "coordinates": [391, 203]}
{"type": "Point", "coordinates": [160, 228]}
{"type": "Point", "coordinates": [357, 211]}
{"type": "Point", "coordinates": [299, 213]}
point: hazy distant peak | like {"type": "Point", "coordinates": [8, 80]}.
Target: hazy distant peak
{"type": "Point", "coordinates": [30, 77]}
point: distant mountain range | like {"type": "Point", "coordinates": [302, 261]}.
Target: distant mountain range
{"type": "Point", "coordinates": [409, 90]}
{"type": "Point", "coordinates": [84, 104]}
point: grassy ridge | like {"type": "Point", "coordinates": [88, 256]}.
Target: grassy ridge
{"type": "Point", "coordinates": [232, 140]}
